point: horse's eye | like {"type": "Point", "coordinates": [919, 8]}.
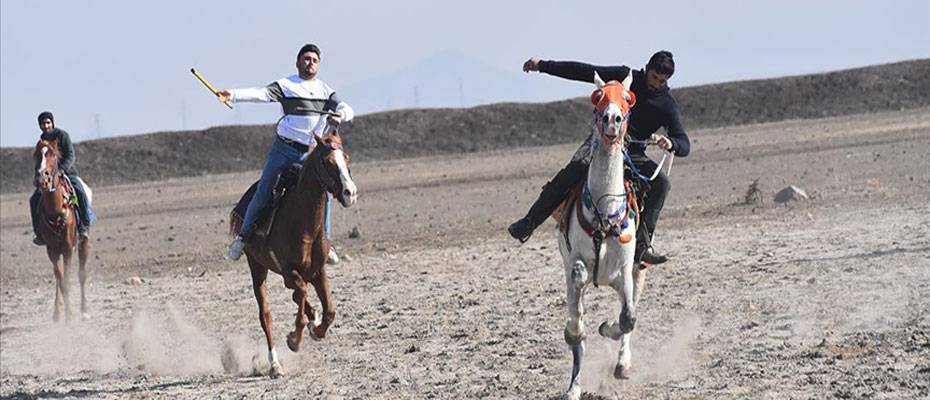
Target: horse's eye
{"type": "Point", "coordinates": [606, 119]}
{"type": "Point", "coordinates": [618, 119]}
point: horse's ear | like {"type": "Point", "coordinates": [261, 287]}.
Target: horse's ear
{"type": "Point", "coordinates": [598, 81]}
{"type": "Point", "coordinates": [628, 81]}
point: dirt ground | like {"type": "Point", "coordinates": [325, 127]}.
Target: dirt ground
{"type": "Point", "coordinates": [810, 299]}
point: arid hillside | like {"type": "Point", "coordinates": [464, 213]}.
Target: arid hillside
{"type": "Point", "coordinates": [421, 132]}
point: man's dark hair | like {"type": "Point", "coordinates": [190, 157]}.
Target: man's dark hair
{"type": "Point", "coordinates": [46, 115]}
{"type": "Point", "coordinates": [306, 48]}
{"type": "Point", "coordinates": [662, 62]}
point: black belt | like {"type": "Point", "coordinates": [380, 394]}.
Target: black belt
{"type": "Point", "coordinates": [296, 145]}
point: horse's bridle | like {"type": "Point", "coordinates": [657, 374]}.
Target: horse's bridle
{"type": "Point", "coordinates": [323, 175]}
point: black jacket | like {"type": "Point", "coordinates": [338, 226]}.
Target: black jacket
{"type": "Point", "coordinates": [651, 111]}
{"type": "Point", "coordinates": [65, 148]}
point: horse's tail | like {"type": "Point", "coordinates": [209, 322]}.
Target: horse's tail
{"type": "Point", "coordinates": [235, 222]}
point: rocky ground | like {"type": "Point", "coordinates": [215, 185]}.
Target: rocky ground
{"type": "Point", "coordinates": [810, 299]}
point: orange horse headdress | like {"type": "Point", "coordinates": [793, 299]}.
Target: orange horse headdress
{"type": "Point", "coordinates": [617, 93]}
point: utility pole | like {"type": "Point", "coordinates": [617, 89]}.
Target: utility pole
{"type": "Point", "coordinates": [416, 97]}
{"type": "Point", "coordinates": [97, 123]}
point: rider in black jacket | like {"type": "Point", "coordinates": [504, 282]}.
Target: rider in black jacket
{"type": "Point", "coordinates": [655, 107]}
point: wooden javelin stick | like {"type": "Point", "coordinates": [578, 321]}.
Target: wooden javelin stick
{"type": "Point", "coordinates": [209, 86]}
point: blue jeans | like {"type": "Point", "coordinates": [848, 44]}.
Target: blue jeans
{"type": "Point", "coordinates": [279, 158]}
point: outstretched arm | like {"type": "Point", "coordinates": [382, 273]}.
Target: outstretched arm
{"type": "Point", "coordinates": [266, 94]}
{"type": "Point", "coordinates": [576, 71]}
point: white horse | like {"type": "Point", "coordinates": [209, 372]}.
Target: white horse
{"type": "Point", "coordinates": [600, 240]}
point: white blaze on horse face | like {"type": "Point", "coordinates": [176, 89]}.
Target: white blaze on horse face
{"type": "Point", "coordinates": [348, 186]}
{"type": "Point", "coordinates": [44, 166]}
{"type": "Point", "coordinates": [614, 116]}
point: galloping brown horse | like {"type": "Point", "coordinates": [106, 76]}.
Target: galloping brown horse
{"type": "Point", "coordinates": [58, 227]}
{"type": "Point", "coordinates": [296, 246]}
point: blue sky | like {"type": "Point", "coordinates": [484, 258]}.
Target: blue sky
{"type": "Point", "coordinates": [122, 67]}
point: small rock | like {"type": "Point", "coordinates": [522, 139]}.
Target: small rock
{"type": "Point", "coordinates": [412, 349]}
{"type": "Point", "coordinates": [355, 233]}
{"type": "Point", "coordinates": [790, 193]}
{"type": "Point", "coordinates": [134, 281]}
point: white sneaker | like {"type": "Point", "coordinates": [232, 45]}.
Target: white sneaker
{"type": "Point", "coordinates": [332, 258]}
{"type": "Point", "coordinates": [235, 248]}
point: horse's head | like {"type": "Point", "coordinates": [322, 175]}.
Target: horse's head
{"type": "Point", "coordinates": [45, 160]}
{"type": "Point", "coordinates": [331, 167]}
{"type": "Point", "coordinates": [612, 103]}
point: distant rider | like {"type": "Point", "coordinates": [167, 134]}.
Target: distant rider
{"type": "Point", "coordinates": [67, 165]}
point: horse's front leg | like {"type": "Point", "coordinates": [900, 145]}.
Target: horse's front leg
{"type": "Point", "coordinates": [576, 276]}
{"type": "Point", "coordinates": [320, 283]}
{"type": "Point", "coordinates": [259, 277]}
{"type": "Point", "coordinates": [58, 270]}
{"type": "Point", "coordinates": [66, 281]}
{"type": "Point", "coordinates": [294, 281]}
{"type": "Point", "coordinates": [622, 329]}
{"type": "Point", "coordinates": [83, 252]}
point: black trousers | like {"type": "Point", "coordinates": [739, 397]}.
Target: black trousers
{"type": "Point", "coordinates": [575, 172]}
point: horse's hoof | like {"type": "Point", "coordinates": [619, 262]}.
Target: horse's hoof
{"type": "Point", "coordinates": [293, 342]}
{"type": "Point", "coordinates": [573, 394]}
{"type": "Point", "coordinates": [316, 333]}
{"type": "Point", "coordinates": [621, 372]}
{"type": "Point", "coordinates": [604, 330]}
{"type": "Point", "coordinates": [276, 372]}
{"type": "Point", "coordinates": [627, 322]}
{"type": "Point", "coordinates": [85, 316]}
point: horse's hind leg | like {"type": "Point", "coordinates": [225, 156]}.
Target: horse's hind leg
{"type": "Point", "coordinates": [320, 283]}
{"type": "Point", "coordinates": [293, 280]}
{"type": "Point", "coordinates": [83, 252]}
{"type": "Point", "coordinates": [259, 286]}
{"type": "Point", "coordinates": [576, 280]}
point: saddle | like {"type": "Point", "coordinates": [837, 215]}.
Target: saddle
{"type": "Point", "coordinates": [284, 183]}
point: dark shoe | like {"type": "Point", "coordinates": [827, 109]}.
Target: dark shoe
{"type": "Point", "coordinates": [37, 240]}
{"type": "Point", "coordinates": [83, 233]}
{"type": "Point", "coordinates": [652, 258]}
{"type": "Point", "coordinates": [521, 230]}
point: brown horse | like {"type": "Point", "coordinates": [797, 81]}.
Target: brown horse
{"type": "Point", "coordinates": [58, 227]}
{"type": "Point", "coordinates": [296, 246]}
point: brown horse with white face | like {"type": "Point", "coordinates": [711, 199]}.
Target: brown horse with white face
{"type": "Point", "coordinates": [296, 246]}
{"type": "Point", "coordinates": [58, 225]}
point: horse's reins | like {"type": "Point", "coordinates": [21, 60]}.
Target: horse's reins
{"type": "Point", "coordinates": [666, 154]}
